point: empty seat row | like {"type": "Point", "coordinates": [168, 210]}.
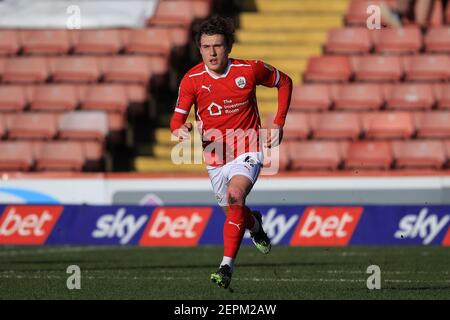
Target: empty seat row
{"type": "Point", "coordinates": [62, 97]}
{"type": "Point", "coordinates": [370, 125]}
{"type": "Point", "coordinates": [125, 68]}
{"type": "Point", "coordinates": [153, 41]}
{"type": "Point", "coordinates": [79, 125]}
{"type": "Point", "coordinates": [388, 40]}
{"type": "Point", "coordinates": [425, 67]}
{"type": "Point", "coordinates": [370, 96]}
{"type": "Point", "coordinates": [49, 156]}
{"type": "Point", "coordinates": [331, 155]}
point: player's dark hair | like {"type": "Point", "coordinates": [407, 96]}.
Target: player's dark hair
{"type": "Point", "coordinates": [217, 25]}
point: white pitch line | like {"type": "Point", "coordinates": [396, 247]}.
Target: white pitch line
{"type": "Point", "coordinates": [340, 280]}
{"type": "Point", "coordinates": [46, 250]}
{"type": "Point", "coordinates": [128, 272]}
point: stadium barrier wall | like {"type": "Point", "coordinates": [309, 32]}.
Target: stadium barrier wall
{"type": "Point", "coordinates": [139, 189]}
{"type": "Point", "coordinates": [293, 225]}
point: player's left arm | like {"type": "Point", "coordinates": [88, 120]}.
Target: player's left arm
{"type": "Point", "coordinates": [269, 76]}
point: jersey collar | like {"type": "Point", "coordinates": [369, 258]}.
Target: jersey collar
{"type": "Point", "coordinates": [214, 76]}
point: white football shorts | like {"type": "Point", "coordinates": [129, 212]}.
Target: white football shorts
{"type": "Point", "coordinates": [247, 164]}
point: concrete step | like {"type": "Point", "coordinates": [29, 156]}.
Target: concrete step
{"type": "Point", "coordinates": [297, 64]}
{"type": "Point", "coordinates": [255, 51]}
{"type": "Point", "coordinates": [164, 151]}
{"type": "Point", "coordinates": [281, 37]}
{"type": "Point", "coordinates": [150, 164]}
{"type": "Point", "coordinates": [290, 22]}
{"type": "Point", "coordinates": [303, 6]}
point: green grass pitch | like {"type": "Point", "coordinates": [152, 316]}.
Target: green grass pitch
{"type": "Point", "coordinates": [293, 273]}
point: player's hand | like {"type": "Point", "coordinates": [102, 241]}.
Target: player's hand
{"type": "Point", "coordinates": [274, 136]}
{"type": "Point", "coordinates": [183, 131]}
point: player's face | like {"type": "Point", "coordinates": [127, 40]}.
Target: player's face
{"type": "Point", "coordinates": [214, 52]}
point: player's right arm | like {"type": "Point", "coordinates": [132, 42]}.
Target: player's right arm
{"type": "Point", "coordinates": [186, 99]}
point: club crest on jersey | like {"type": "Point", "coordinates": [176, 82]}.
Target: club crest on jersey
{"type": "Point", "coordinates": [240, 82]}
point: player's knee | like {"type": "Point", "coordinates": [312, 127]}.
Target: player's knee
{"type": "Point", "coordinates": [235, 196]}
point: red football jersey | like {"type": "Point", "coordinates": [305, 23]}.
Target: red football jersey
{"type": "Point", "coordinates": [227, 103]}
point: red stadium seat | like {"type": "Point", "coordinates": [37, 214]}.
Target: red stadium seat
{"type": "Point", "coordinates": [442, 92]}
{"type": "Point", "coordinates": [335, 125]}
{"type": "Point", "coordinates": [397, 40]}
{"type": "Point", "coordinates": [419, 154]}
{"type": "Point", "coordinates": [369, 155]}
{"type": "Point", "coordinates": [314, 155]}
{"type": "Point", "coordinates": [31, 125]}
{"type": "Point", "coordinates": [55, 97]}
{"type": "Point", "coordinates": [108, 97]}
{"type": "Point", "coordinates": [159, 65]}
{"type": "Point", "coordinates": [135, 69]}
{"type": "Point", "coordinates": [45, 41]}
{"type": "Point", "coordinates": [83, 125]}
{"type": "Point", "coordinates": [2, 65]}
{"type": "Point", "coordinates": [357, 12]}
{"type": "Point", "coordinates": [136, 93]}
{"type": "Point", "coordinates": [410, 96]}
{"type": "Point", "coordinates": [437, 40]}
{"type": "Point", "coordinates": [328, 69]}
{"type": "Point", "coordinates": [427, 67]}
{"type": "Point", "coordinates": [9, 42]}
{"type": "Point", "coordinates": [377, 68]}
{"type": "Point", "coordinates": [29, 69]}
{"type": "Point", "coordinates": [75, 69]}
{"type": "Point", "coordinates": [447, 148]}
{"type": "Point", "coordinates": [15, 156]}
{"type": "Point", "coordinates": [357, 96]}
{"type": "Point", "coordinates": [179, 37]}
{"type": "Point", "coordinates": [93, 150]}
{"type": "Point", "coordinates": [101, 41]}
{"type": "Point", "coordinates": [278, 156]}
{"type": "Point", "coordinates": [116, 121]}
{"type": "Point", "coordinates": [284, 158]}
{"type": "Point", "coordinates": [173, 13]}
{"type": "Point", "coordinates": [433, 124]}
{"type": "Point", "coordinates": [296, 126]}
{"type": "Point", "coordinates": [201, 9]}
{"type": "Point", "coordinates": [149, 41]}
{"type": "Point", "coordinates": [310, 97]}
{"type": "Point", "coordinates": [348, 41]}
{"type": "Point", "coordinates": [2, 125]}
{"type": "Point", "coordinates": [60, 156]}
{"type": "Point", "coordinates": [388, 125]}
{"type": "Point", "coordinates": [12, 98]}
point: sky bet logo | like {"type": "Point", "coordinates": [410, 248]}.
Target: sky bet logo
{"type": "Point", "coordinates": [176, 226]}
{"type": "Point", "coordinates": [21, 224]}
{"type": "Point", "coordinates": [326, 226]}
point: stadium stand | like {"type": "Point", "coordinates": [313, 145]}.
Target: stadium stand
{"type": "Point", "coordinates": [94, 90]}
{"type": "Point", "coordinates": [363, 99]}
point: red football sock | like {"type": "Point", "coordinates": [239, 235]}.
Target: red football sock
{"type": "Point", "coordinates": [233, 230]}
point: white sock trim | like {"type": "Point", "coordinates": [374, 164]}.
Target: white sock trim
{"type": "Point", "coordinates": [229, 261]}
